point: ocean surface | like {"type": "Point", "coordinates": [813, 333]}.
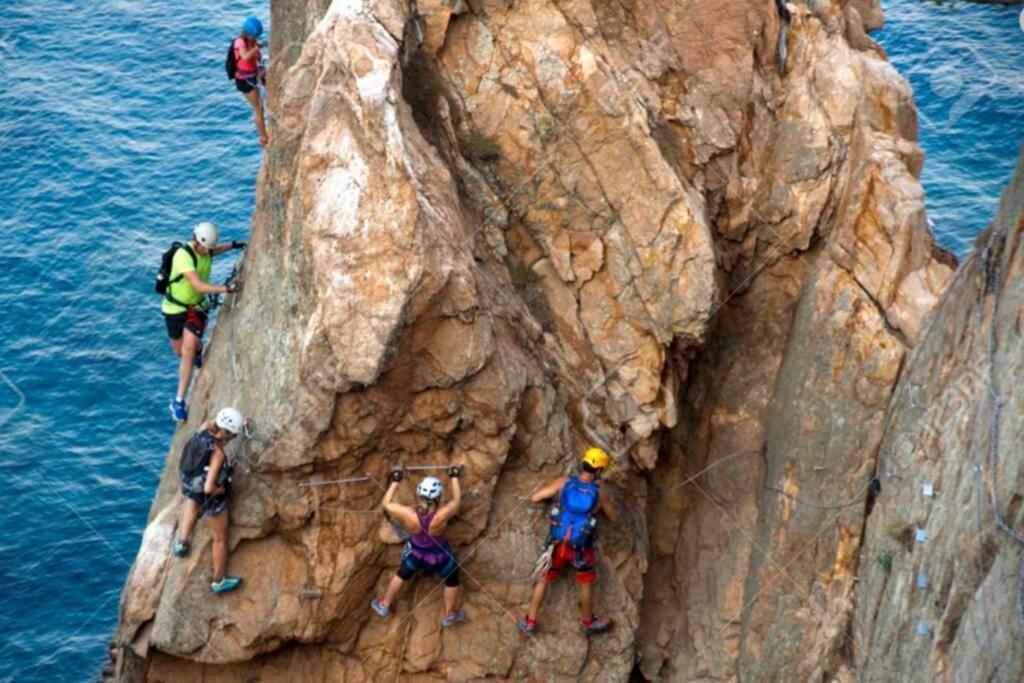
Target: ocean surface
{"type": "Point", "coordinates": [965, 63]}
{"type": "Point", "coordinates": [118, 131]}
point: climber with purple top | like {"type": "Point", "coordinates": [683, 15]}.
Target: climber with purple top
{"type": "Point", "coordinates": [426, 548]}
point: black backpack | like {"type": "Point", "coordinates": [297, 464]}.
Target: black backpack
{"type": "Point", "coordinates": [231, 63]}
{"type": "Point", "coordinates": [163, 281]}
{"type": "Point", "coordinates": [196, 454]}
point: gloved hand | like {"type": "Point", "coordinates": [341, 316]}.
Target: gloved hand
{"type": "Point", "coordinates": [455, 471]}
{"type": "Point", "coordinates": [396, 474]}
{"type": "Point", "coordinates": [235, 244]}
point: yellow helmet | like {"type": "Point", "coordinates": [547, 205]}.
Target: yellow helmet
{"type": "Point", "coordinates": [596, 458]}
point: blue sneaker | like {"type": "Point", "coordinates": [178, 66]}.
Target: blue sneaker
{"type": "Point", "coordinates": [379, 607]}
{"type": "Point", "coordinates": [197, 362]}
{"type": "Point", "coordinates": [178, 410]}
{"type": "Point", "coordinates": [456, 617]}
{"type": "Point", "coordinates": [228, 583]}
{"type": "Point", "coordinates": [180, 547]}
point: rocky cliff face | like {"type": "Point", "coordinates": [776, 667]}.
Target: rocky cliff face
{"type": "Point", "coordinates": [494, 234]}
{"type": "Point", "coordinates": [942, 592]}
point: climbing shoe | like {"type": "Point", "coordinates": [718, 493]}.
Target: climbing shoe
{"type": "Point", "coordinates": [596, 625]}
{"type": "Point", "coordinates": [379, 607]}
{"type": "Point", "coordinates": [527, 626]}
{"type": "Point", "coordinates": [178, 410]}
{"type": "Point", "coordinates": [456, 617]}
{"type": "Point", "coordinates": [228, 583]}
{"type": "Point", "coordinates": [197, 362]}
{"type": "Point", "coordinates": [180, 547]}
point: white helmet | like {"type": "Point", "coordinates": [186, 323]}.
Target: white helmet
{"type": "Point", "coordinates": [430, 488]}
{"type": "Point", "coordinates": [206, 234]}
{"type": "Point", "coordinates": [231, 420]}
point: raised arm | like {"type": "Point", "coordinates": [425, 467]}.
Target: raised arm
{"type": "Point", "coordinates": [403, 514]}
{"type": "Point", "coordinates": [608, 508]}
{"type": "Point", "coordinates": [549, 491]}
{"type": "Point", "coordinates": [451, 508]}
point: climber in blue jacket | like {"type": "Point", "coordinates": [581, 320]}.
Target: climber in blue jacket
{"type": "Point", "coordinates": [571, 540]}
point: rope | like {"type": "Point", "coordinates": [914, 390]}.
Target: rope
{"type": "Point", "coordinates": [859, 499]}
{"type": "Point", "coordinates": [331, 482]}
{"type": "Point", "coordinates": [230, 302]}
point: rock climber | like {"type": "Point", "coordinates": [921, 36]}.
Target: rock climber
{"type": "Point", "coordinates": [571, 539]}
{"type": "Point", "coordinates": [185, 308]}
{"type": "Point", "coordinates": [249, 74]}
{"type": "Point", "coordinates": [427, 548]}
{"type": "Point", "coordinates": [206, 473]}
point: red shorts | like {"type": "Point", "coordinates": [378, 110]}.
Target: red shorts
{"type": "Point", "coordinates": [581, 559]}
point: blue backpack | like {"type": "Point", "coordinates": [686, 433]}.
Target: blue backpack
{"type": "Point", "coordinates": [574, 521]}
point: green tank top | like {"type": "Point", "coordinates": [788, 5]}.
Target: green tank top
{"type": "Point", "coordinates": [182, 290]}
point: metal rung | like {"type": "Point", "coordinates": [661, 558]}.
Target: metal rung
{"type": "Point", "coordinates": [347, 480]}
{"type": "Point", "coordinates": [428, 467]}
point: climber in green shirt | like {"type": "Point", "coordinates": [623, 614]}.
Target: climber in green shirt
{"type": "Point", "coordinates": [184, 306]}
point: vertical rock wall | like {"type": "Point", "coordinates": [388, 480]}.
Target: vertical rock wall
{"type": "Point", "coordinates": [946, 605]}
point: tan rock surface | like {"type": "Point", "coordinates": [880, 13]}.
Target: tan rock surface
{"type": "Point", "coordinates": [961, 582]}
{"type": "Point", "coordinates": [498, 233]}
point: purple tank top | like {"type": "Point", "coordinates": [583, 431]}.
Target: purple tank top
{"type": "Point", "coordinates": [429, 549]}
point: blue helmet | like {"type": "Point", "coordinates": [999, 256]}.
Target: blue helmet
{"type": "Point", "coordinates": [253, 27]}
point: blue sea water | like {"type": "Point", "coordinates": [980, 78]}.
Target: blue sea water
{"type": "Point", "coordinates": [119, 130]}
{"type": "Point", "coordinates": [965, 63]}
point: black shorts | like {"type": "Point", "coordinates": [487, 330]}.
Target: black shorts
{"type": "Point", "coordinates": [448, 569]}
{"type": "Point", "coordinates": [208, 505]}
{"type": "Point", "coordinates": [246, 85]}
{"type": "Point", "coordinates": [193, 320]}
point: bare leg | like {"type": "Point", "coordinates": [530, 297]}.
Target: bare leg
{"type": "Point", "coordinates": [451, 599]}
{"type": "Point", "coordinates": [586, 601]}
{"type": "Point", "coordinates": [257, 107]}
{"type": "Point", "coordinates": [189, 346]}
{"type": "Point", "coordinates": [393, 588]}
{"type": "Point", "coordinates": [219, 526]}
{"type": "Point", "coordinates": [537, 598]}
{"type": "Point", "coordinates": [188, 519]}
{"type": "Point", "coordinates": [176, 346]}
